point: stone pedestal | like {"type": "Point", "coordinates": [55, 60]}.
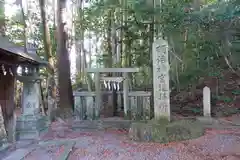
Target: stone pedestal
{"type": "Point", "coordinates": [31, 123]}
{"type": "Point", "coordinates": [31, 126]}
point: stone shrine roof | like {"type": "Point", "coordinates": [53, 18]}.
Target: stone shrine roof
{"type": "Point", "coordinates": [12, 48]}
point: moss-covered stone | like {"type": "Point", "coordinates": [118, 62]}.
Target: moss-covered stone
{"type": "Point", "coordinates": [136, 130]}
{"type": "Point", "coordinates": [184, 129]}
{"type": "Point", "coordinates": [164, 131]}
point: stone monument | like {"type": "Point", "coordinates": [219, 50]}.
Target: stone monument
{"type": "Point", "coordinates": [161, 79]}
{"type": "Point", "coordinates": [31, 123]}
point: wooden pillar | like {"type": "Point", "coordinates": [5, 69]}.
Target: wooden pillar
{"type": "Point", "coordinates": [98, 94]}
{"type": "Point", "coordinates": [125, 93]}
{"type": "Point", "coordinates": [3, 133]}
{"type": "Point", "coordinates": [78, 107]}
{"type": "Point", "coordinates": [10, 108]}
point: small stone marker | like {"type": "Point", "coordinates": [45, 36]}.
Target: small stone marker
{"type": "Point", "coordinates": [161, 79]}
{"type": "Point", "coordinates": [206, 102]}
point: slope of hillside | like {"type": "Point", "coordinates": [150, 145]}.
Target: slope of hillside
{"type": "Point", "coordinates": [225, 93]}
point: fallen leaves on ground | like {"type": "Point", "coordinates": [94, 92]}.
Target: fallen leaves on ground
{"type": "Point", "coordinates": [114, 144]}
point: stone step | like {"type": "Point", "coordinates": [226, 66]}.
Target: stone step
{"type": "Point", "coordinates": [30, 134]}
{"type": "Point", "coordinates": [68, 146]}
{"type": "Point", "coordinates": [54, 142]}
{"type": "Point", "coordinates": [19, 154]}
{"type": "Point", "coordinates": [4, 149]}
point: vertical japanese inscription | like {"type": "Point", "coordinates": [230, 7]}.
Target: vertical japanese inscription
{"type": "Point", "coordinates": [30, 98]}
{"type": "Point", "coordinates": [29, 91]}
{"type": "Point", "coordinates": [28, 105]}
{"type": "Point", "coordinates": [161, 78]}
{"type": "Point", "coordinates": [161, 59]}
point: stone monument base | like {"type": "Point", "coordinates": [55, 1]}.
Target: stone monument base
{"type": "Point", "coordinates": [31, 126]}
{"type": "Point", "coordinates": [3, 141]}
{"type": "Point", "coordinates": [207, 120]}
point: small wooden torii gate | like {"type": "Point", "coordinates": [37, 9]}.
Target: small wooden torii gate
{"type": "Point", "coordinates": [97, 75]}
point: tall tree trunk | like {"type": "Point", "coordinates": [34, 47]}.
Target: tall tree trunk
{"type": "Point", "coordinates": [114, 38]}
{"type": "Point", "coordinates": [2, 19]}
{"type": "Point", "coordinates": [85, 77]}
{"type": "Point", "coordinates": [51, 87]}
{"type": "Point", "coordinates": [24, 27]}
{"type": "Point", "coordinates": [79, 40]}
{"type": "Point", "coordinates": [82, 50]}
{"type": "Point", "coordinates": [63, 63]}
{"type": "Point", "coordinates": [122, 45]}
{"type": "Point", "coordinates": [114, 59]}
{"type": "Point", "coordinates": [124, 28]}
{"type": "Point", "coordinates": [88, 77]}
{"type": "Point", "coordinates": [46, 37]}
{"type": "Point", "coordinates": [54, 12]}
{"type": "Point", "coordinates": [90, 50]}
{"type": "Point", "coordinates": [118, 37]}
{"type": "Point", "coordinates": [109, 39]}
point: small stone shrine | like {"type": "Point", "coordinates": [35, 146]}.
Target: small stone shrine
{"type": "Point", "coordinates": [107, 82]}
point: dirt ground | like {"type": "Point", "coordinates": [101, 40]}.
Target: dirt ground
{"type": "Point", "coordinates": [61, 142]}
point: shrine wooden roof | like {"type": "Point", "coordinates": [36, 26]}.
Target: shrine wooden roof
{"type": "Point", "coordinates": [12, 49]}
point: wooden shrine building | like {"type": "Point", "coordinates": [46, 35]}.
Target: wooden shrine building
{"type": "Point", "coordinates": [11, 57]}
